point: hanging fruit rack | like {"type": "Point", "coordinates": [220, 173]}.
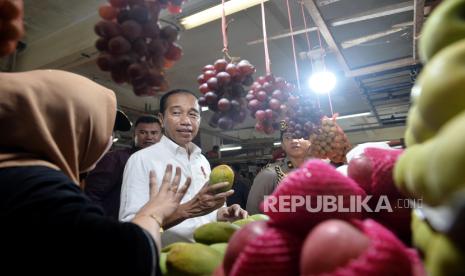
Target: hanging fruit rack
{"type": "Point", "coordinates": [222, 86]}
{"type": "Point", "coordinates": [134, 47]}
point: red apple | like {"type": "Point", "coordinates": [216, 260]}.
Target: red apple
{"type": "Point", "coordinates": [360, 170]}
{"type": "Point", "coordinates": [239, 241]}
{"type": "Point", "coordinates": [330, 245]}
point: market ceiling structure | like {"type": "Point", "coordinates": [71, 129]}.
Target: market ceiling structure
{"type": "Point", "coordinates": [369, 44]}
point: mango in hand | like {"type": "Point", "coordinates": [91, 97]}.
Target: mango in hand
{"type": "Point", "coordinates": [222, 173]}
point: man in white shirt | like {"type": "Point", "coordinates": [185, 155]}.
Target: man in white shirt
{"type": "Point", "coordinates": [180, 116]}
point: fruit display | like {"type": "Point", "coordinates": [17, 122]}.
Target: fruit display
{"type": "Point", "coordinates": [11, 25]}
{"type": "Point", "coordinates": [373, 171]}
{"type": "Point", "coordinates": [314, 178]}
{"type": "Point", "coordinates": [329, 141]}
{"type": "Point", "coordinates": [269, 99]}
{"type": "Point", "coordinates": [222, 88]}
{"type": "Point", "coordinates": [431, 168]}
{"type": "Point", "coordinates": [222, 173]}
{"type": "Point", "coordinates": [134, 47]}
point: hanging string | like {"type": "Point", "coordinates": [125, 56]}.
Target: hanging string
{"type": "Point", "coordinates": [224, 31]}
{"type": "Point", "coordinates": [309, 46]}
{"type": "Point", "coordinates": [306, 33]}
{"type": "Point", "coordinates": [265, 41]}
{"type": "Point", "coordinates": [293, 45]}
{"type": "Point", "coordinates": [324, 70]}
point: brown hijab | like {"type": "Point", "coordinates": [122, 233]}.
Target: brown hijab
{"type": "Point", "coordinates": [54, 118]}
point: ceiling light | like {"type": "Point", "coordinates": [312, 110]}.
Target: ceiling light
{"type": "Point", "coordinates": [230, 147]}
{"type": "Point", "coordinates": [353, 115]}
{"type": "Point", "coordinates": [215, 12]}
{"type": "Point", "coordinates": [277, 144]}
{"type": "Point", "coordinates": [322, 82]}
{"type": "Point", "coordinates": [204, 108]}
{"type": "Point", "coordinates": [115, 140]}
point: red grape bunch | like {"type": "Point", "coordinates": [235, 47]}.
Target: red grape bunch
{"type": "Point", "coordinates": [269, 100]}
{"type": "Point", "coordinates": [11, 25]}
{"type": "Point", "coordinates": [304, 118]}
{"type": "Point", "coordinates": [133, 46]}
{"type": "Point", "coordinates": [222, 86]}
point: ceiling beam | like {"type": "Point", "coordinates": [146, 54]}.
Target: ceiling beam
{"type": "Point", "coordinates": [321, 24]}
{"type": "Point", "coordinates": [360, 40]}
{"type": "Point", "coordinates": [405, 62]}
{"type": "Point", "coordinates": [322, 3]}
{"type": "Point", "coordinates": [418, 17]}
{"type": "Point", "coordinates": [364, 16]}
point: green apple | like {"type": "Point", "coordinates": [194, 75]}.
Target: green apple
{"type": "Point", "coordinates": [442, 86]}
{"type": "Point", "coordinates": [444, 26]}
{"type": "Point", "coordinates": [420, 131]}
{"type": "Point", "coordinates": [446, 169]}
{"type": "Point", "coordinates": [443, 258]}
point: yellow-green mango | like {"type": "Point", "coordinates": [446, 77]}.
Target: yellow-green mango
{"type": "Point", "coordinates": [215, 232]}
{"type": "Point", "coordinates": [192, 259]}
{"type": "Point", "coordinates": [222, 173]}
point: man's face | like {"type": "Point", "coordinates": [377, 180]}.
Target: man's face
{"type": "Point", "coordinates": [147, 134]}
{"type": "Point", "coordinates": [181, 118]}
{"type": "Point", "coordinates": [296, 148]}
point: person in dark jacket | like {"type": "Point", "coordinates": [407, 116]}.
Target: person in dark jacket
{"type": "Point", "coordinates": [57, 126]}
{"type": "Point", "coordinates": [103, 184]}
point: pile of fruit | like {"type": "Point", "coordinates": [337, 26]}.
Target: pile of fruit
{"type": "Point", "coordinates": [11, 25]}
{"type": "Point", "coordinates": [222, 87]}
{"type": "Point", "coordinates": [329, 141]}
{"type": "Point", "coordinates": [133, 46]}
{"type": "Point", "coordinates": [269, 99]}
{"type": "Point", "coordinates": [432, 167]}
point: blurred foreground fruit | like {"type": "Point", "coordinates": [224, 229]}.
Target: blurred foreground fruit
{"type": "Point", "coordinates": [215, 232]}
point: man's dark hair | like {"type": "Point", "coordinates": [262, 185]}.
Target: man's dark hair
{"type": "Point", "coordinates": [147, 119]}
{"type": "Point", "coordinates": [165, 97]}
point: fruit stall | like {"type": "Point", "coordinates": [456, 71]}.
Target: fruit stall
{"type": "Point", "coordinates": [343, 75]}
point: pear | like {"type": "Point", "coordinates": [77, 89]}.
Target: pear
{"type": "Point", "coordinates": [215, 232]}
{"type": "Point", "coordinates": [442, 86]}
{"type": "Point", "coordinates": [443, 27]}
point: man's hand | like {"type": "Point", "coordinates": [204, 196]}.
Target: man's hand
{"type": "Point", "coordinates": [231, 213]}
{"type": "Point", "coordinates": [207, 200]}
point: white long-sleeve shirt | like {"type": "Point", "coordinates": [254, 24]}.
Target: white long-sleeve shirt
{"type": "Point", "coordinates": [135, 190]}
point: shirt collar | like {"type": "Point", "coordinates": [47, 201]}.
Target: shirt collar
{"type": "Point", "coordinates": [175, 148]}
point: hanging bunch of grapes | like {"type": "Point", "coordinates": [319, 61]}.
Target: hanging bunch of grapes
{"type": "Point", "coordinates": [304, 117]}
{"type": "Point", "coordinates": [269, 99]}
{"type": "Point", "coordinates": [133, 46]}
{"type": "Point", "coordinates": [330, 141]}
{"type": "Point", "coordinates": [222, 88]}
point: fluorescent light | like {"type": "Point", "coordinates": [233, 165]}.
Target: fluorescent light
{"type": "Point", "coordinates": [277, 144]}
{"type": "Point", "coordinates": [115, 140]}
{"type": "Point", "coordinates": [322, 82]}
{"type": "Point", "coordinates": [204, 108]}
{"type": "Point", "coordinates": [353, 115]}
{"type": "Point", "coordinates": [215, 12]}
{"type": "Point", "coordinates": [229, 148]}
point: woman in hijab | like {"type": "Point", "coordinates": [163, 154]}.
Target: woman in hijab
{"type": "Point", "coordinates": [55, 126]}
